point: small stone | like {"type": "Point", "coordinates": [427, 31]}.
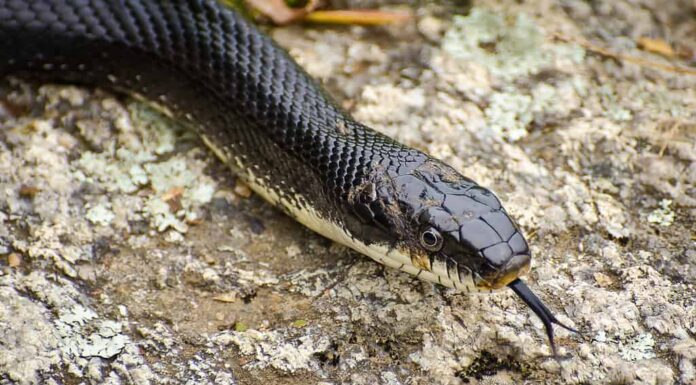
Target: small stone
{"type": "Point", "coordinates": [603, 280]}
{"type": "Point", "coordinates": [293, 251]}
{"type": "Point", "coordinates": [14, 260]}
{"type": "Point", "coordinates": [86, 273]}
{"type": "Point", "coordinates": [100, 215]}
{"type": "Point", "coordinates": [431, 27]}
{"type": "Point", "coordinates": [173, 236]}
{"type": "Point", "coordinates": [242, 190]}
{"type": "Point", "coordinates": [226, 297]}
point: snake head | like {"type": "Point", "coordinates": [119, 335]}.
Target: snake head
{"type": "Point", "coordinates": [454, 231]}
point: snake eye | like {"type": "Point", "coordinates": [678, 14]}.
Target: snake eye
{"type": "Point", "coordinates": [431, 240]}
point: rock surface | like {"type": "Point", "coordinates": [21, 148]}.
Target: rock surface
{"type": "Point", "coordinates": [129, 256]}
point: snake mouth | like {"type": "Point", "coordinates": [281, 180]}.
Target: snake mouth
{"type": "Point", "coordinates": [494, 279]}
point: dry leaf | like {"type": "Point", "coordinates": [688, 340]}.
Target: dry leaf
{"type": "Point", "coordinates": [657, 46]}
{"type": "Point", "coordinates": [173, 193]}
{"type": "Point", "coordinates": [28, 191]}
{"type": "Point", "coordinates": [173, 198]}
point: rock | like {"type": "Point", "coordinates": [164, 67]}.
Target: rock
{"type": "Point", "coordinates": [130, 274]}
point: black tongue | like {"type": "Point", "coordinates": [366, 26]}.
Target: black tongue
{"type": "Point", "coordinates": [519, 287]}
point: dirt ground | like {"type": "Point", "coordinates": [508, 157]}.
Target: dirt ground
{"type": "Point", "coordinates": [129, 255]}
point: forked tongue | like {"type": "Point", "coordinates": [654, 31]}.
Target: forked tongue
{"type": "Point", "coordinates": [519, 287]}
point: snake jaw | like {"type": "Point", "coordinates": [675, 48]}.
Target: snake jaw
{"type": "Point", "coordinates": [495, 279]}
{"type": "Point", "coordinates": [421, 261]}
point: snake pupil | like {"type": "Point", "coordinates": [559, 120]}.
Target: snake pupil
{"type": "Point", "coordinates": [431, 240]}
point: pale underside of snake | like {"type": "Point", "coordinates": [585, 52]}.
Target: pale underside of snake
{"type": "Point", "coordinates": [278, 130]}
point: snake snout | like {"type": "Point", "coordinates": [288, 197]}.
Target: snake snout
{"type": "Point", "coordinates": [505, 260]}
{"type": "Point", "coordinates": [517, 266]}
{"type": "Point", "coordinates": [493, 278]}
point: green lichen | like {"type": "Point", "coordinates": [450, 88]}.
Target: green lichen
{"type": "Point", "coordinates": [509, 114]}
{"type": "Point", "coordinates": [136, 162]}
{"type": "Point", "coordinates": [663, 216]}
{"type": "Point", "coordinates": [100, 215]}
{"type": "Point", "coordinates": [639, 348]}
{"type": "Point", "coordinates": [512, 50]}
{"type": "Point", "coordinates": [300, 323]}
{"type": "Point", "coordinates": [506, 49]}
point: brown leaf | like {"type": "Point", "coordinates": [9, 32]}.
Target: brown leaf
{"type": "Point", "coordinates": [173, 193]}
{"type": "Point", "coordinates": [28, 192]}
{"type": "Point", "coordinates": [173, 198]}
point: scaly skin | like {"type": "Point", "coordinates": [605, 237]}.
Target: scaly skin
{"type": "Point", "coordinates": [265, 117]}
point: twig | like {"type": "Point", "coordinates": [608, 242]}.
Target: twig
{"type": "Point", "coordinates": [362, 17]}
{"type": "Point", "coordinates": [626, 58]}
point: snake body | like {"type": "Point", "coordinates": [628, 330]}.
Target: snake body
{"type": "Point", "coordinates": [277, 129]}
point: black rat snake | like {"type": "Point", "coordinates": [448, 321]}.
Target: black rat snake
{"type": "Point", "coordinates": [279, 131]}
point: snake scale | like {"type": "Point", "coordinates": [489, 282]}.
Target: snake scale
{"type": "Point", "coordinates": [279, 131]}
